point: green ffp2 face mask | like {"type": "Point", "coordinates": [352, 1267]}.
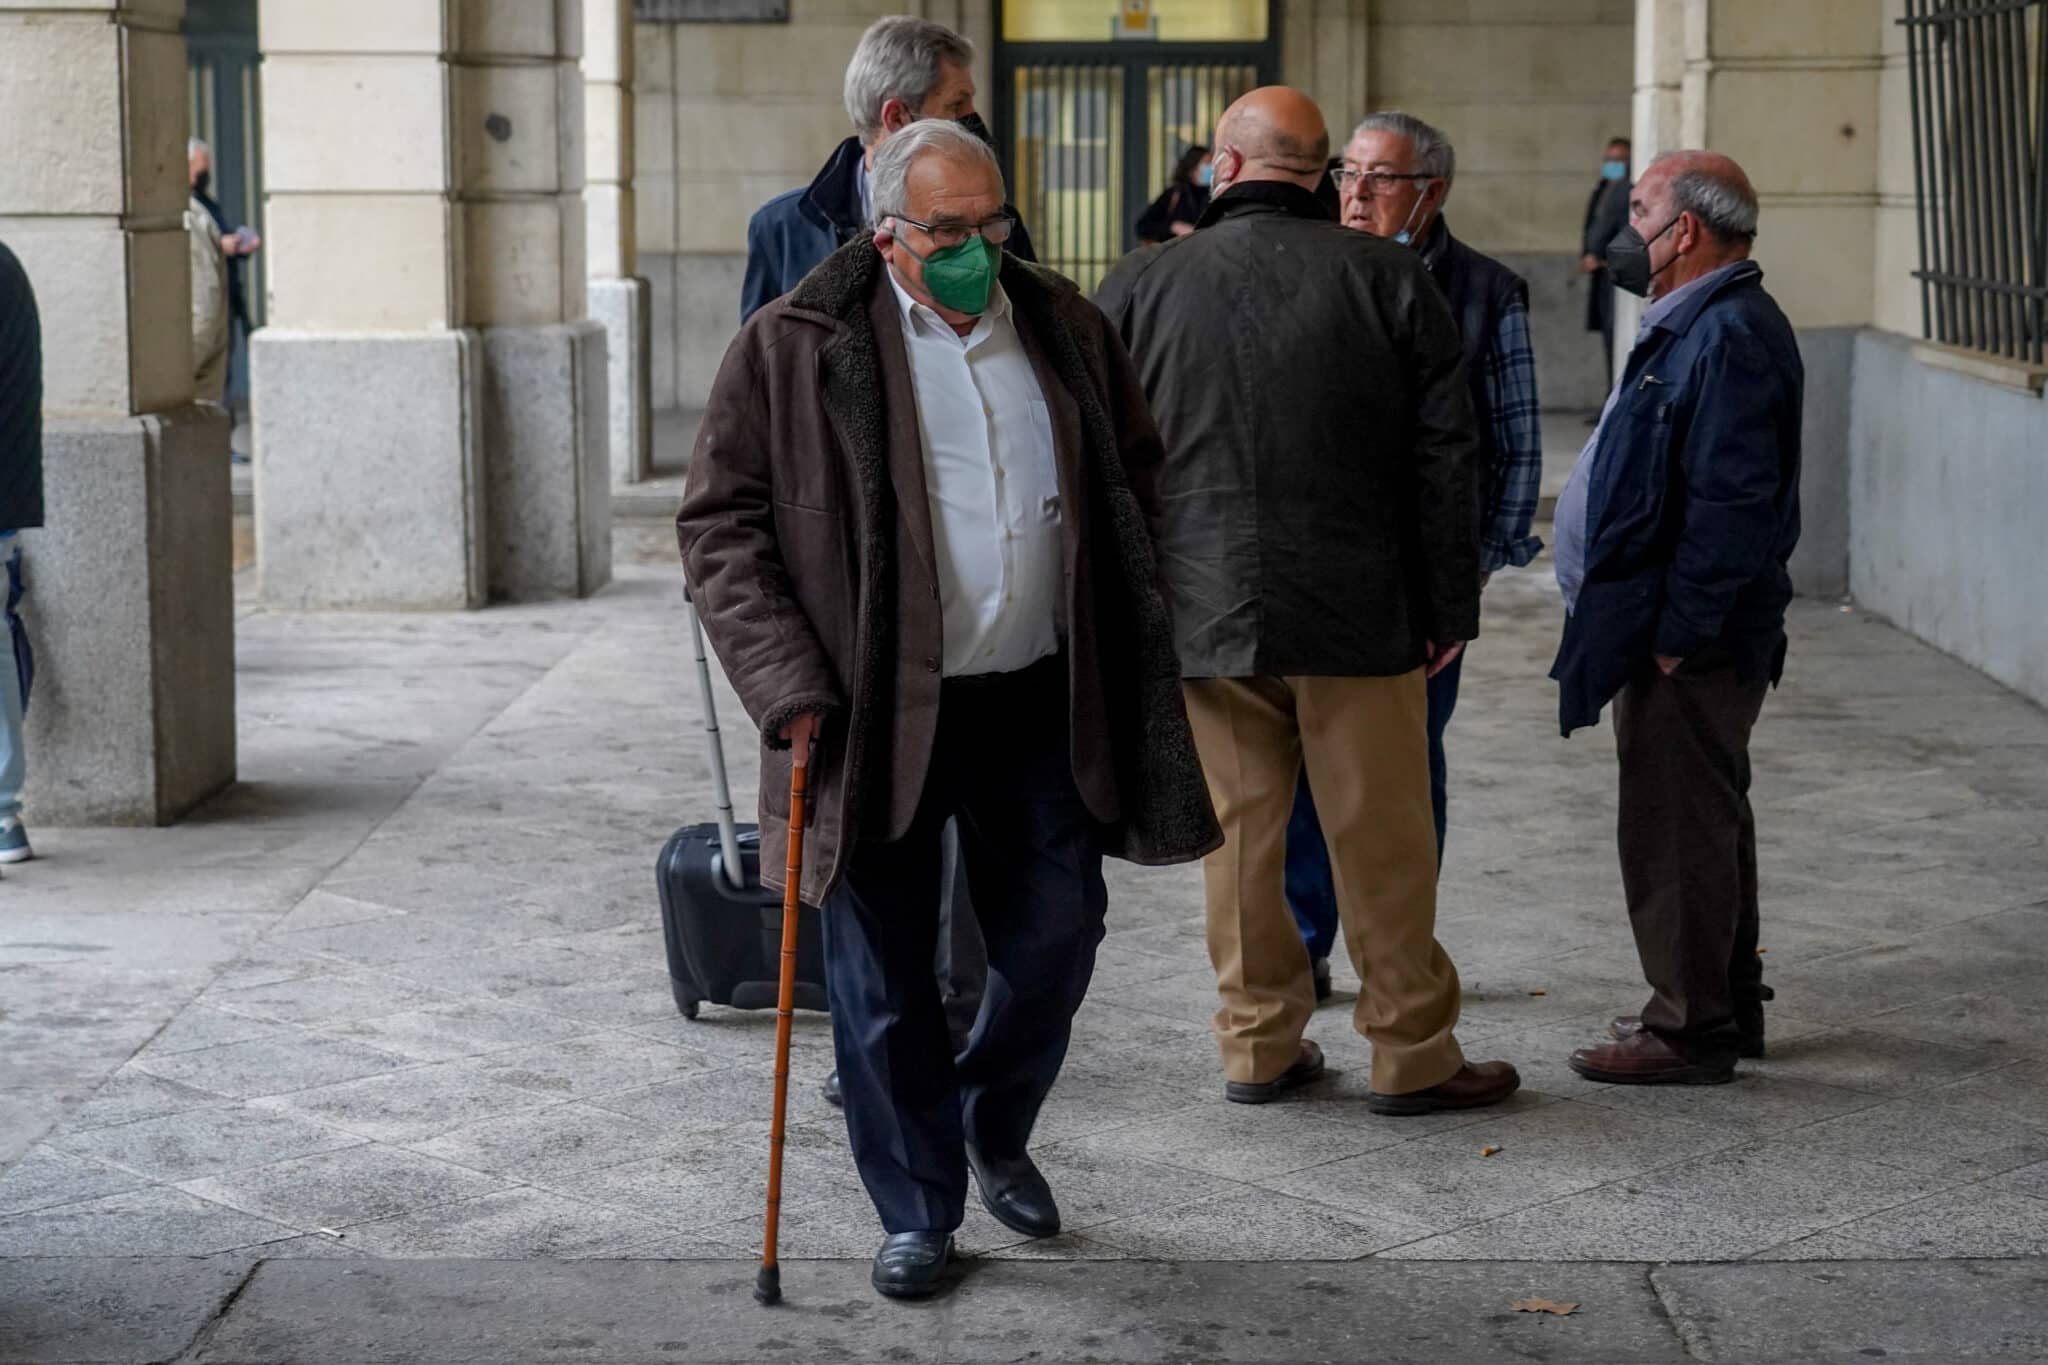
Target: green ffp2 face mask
{"type": "Point", "coordinates": [961, 277]}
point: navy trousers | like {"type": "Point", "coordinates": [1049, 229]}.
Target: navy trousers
{"type": "Point", "coordinates": [1311, 891]}
{"type": "Point", "coordinates": [1002, 768]}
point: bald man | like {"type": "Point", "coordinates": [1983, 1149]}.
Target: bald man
{"type": "Point", "coordinates": [1672, 539]}
{"type": "Point", "coordinates": [1320, 550]}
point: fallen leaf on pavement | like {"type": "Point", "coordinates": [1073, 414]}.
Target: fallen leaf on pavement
{"type": "Point", "coordinates": [1539, 991]}
{"type": "Point", "coordinates": [1488, 1151]}
{"type": "Point", "coordinates": [1551, 1306]}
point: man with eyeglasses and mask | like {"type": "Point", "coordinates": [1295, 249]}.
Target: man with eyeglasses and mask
{"type": "Point", "coordinates": [1673, 535]}
{"type": "Point", "coordinates": [1321, 548]}
{"type": "Point", "coordinates": [1396, 174]}
{"type": "Point", "coordinates": [904, 69]}
{"type": "Point", "coordinates": [918, 525]}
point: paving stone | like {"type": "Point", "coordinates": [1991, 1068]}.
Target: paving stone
{"type": "Point", "coordinates": [327, 998]}
{"type": "Point", "coordinates": [1875, 1063]}
{"type": "Point", "coordinates": [718, 1098]}
{"type": "Point", "coordinates": [612, 1000]}
{"type": "Point", "coordinates": [322, 909]}
{"type": "Point", "coordinates": [405, 1106]}
{"type": "Point", "coordinates": [1240, 1142]}
{"type": "Point", "coordinates": [547, 1144]}
{"type": "Point", "coordinates": [1926, 1138]}
{"type": "Point", "coordinates": [1978, 1220]}
{"type": "Point", "coordinates": [271, 1066]}
{"type": "Point", "coordinates": [1995, 1021]}
{"type": "Point", "coordinates": [2018, 1094]}
{"type": "Point", "coordinates": [154, 1222]}
{"type": "Point", "coordinates": [200, 1026]}
{"type": "Point", "coordinates": [723, 1177]}
{"type": "Point", "coordinates": [56, 1311]}
{"type": "Point", "coordinates": [47, 1177]}
{"type": "Point", "coordinates": [353, 1185]}
{"type": "Point", "coordinates": [391, 941]}
{"type": "Point", "coordinates": [596, 1064]}
{"type": "Point", "coordinates": [467, 1028]}
{"type": "Point", "coordinates": [204, 1141]}
{"type": "Point", "coordinates": [1255, 1225]}
{"type": "Point", "coordinates": [132, 1093]}
{"type": "Point", "coordinates": [521, 1222]}
{"type": "Point", "coordinates": [1755, 1102]}
{"type": "Point", "coordinates": [1864, 1311]}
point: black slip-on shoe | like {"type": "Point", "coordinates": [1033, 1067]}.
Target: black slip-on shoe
{"type": "Point", "coordinates": [910, 1264]}
{"type": "Point", "coordinates": [831, 1090]}
{"type": "Point", "coordinates": [1308, 1067]}
{"type": "Point", "coordinates": [1015, 1193]}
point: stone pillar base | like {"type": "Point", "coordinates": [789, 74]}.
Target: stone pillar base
{"type": "Point", "coordinates": [621, 306]}
{"type": "Point", "coordinates": [369, 470]}
{"type": "Point", "coordinates": [131, 611]}
{"type": "Point", "coordinates": [545, 424]}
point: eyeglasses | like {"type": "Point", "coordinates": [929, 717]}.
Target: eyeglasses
{"type": "Point", "coordinates": [1375, 182]}
{"type": "Point", "coordinates": [995, 231]}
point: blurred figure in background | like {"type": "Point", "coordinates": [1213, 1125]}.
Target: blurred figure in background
{"type": "Point", "coordinates": [1175, 212]}
{"type": "Point", "coordinates": [1606, 215]}
{"type": "Point", "coordinates": [21, 507]}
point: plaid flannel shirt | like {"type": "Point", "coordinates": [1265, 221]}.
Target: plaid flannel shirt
{"type": "Point", "coordinates": [1510, 380]}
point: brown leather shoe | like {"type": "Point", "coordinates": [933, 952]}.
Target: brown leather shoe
{"type": "Point", "coordinates": [1645, 1059]}
{"type": "Point", "coordinates": [1474, 1087]}
{"type": "Point", "coordinates": [1308, 1066]}
{"type": "Point", "coordinates": [1627, 1026]}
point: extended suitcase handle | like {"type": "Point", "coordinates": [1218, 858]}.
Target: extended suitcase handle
{"type": "Point", "coordinates": [727, 864]}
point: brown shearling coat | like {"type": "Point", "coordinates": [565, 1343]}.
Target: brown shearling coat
{"type": "Point", "coordinates": [807, 539]}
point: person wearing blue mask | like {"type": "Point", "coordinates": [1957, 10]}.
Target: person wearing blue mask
{"type": "Point", "coordinates": [1176, 211]}
{"type": "Point", "coordinates": [1606, 215]}
{"type": "Point", "coordinates": [1396, 175]}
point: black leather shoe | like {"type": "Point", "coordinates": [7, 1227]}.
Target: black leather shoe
{"type": "Point", "coordinates": [1015, 1194]}
{"type": "Point", "coordinates": [1308, 1066]}
{"type": "Point", "coordinates": [831, 1089]}
{"type": "Point", "coordinates": [910, 1263]}
{"type": "Point", "coordinates": [1321, 968]}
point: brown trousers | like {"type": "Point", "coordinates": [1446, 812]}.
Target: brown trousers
{"type": "Point", "coordinates": [1688, 852]}
{"type": "Point", "coordinates": [1366, 747]}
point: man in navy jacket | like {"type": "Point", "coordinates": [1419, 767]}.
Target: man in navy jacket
{"type": "Point", "coordinates": [1672, 539]}
{"type": "Point", "coordinates": [904, 69]}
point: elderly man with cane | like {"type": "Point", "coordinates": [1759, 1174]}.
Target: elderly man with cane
{"type": "Point", "coordinates": [918, 527]}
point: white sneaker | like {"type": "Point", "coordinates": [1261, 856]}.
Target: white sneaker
{"type": "Point", "coordinates": [14, 841]}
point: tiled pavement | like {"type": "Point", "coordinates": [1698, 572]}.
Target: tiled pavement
{"type": "Point", "coordinates": [402, 994]}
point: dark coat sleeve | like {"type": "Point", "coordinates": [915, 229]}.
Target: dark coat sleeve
{"type": "Point", "coordinates": [1733, 470]}
{"type": "Point", "coordinates": [21, 401]}
{"type": "Point", "coordinates": [733, 561]}
{"type": "Point", "coordinates": [1155, 224]}
{"type": "Point", "coordinates": [1137, 434]}
{"type": "Point", "coordinates": [1609, 215]}
{"type": "Point", "coordinates": [1446, 467]}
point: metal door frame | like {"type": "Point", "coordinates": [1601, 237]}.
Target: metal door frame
{"type": "Point", "coordinates": [1133, 57]}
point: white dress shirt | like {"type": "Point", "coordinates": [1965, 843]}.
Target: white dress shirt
{"type": "Point", "coordinates": [992, 484]}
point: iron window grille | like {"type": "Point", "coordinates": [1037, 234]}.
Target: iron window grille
{"type": "Point", "coordinates": [1978, 73]}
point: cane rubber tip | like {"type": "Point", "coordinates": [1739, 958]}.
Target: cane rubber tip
{"type": "Point", "coordinates": [768, 1286]}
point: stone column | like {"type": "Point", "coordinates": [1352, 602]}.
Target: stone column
{"type": "Point", "coordinates": [131, 601]}
{"type": "Point", "coordinates": [429, 401]}
{"type": "Point", "coordinates": [619, 299]}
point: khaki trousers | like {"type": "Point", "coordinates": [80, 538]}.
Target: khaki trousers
{"type": "Point", "coordinates": [1366, 746]}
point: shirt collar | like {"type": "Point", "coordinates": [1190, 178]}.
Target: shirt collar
{"type": "Point", "coordinates": [1664, 309]}
{"type": "Point", "coordinates": [918, 316]}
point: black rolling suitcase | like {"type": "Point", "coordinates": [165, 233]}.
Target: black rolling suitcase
{"type": "Point", "coordinates": [722, 927]}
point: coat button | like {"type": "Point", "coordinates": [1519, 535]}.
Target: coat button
{"type": "Point", "coordinates": [931, 665]}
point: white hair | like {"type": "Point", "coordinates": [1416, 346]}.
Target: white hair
{"type": "Point", "coordinates": [890, 174]}
{"type": "Point", "coordinates": [1434, 155]}
{"type": "Point", "coordinates": [195, 145]}
{"type": "Point", "coordinates": [1727, 208]}
{"type": "Point", "coordinates": [899, 58]}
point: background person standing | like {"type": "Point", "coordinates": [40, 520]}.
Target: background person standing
{"type": "Point", "coordinates": [1606, 215]}
{"type": "Point", "coordinates": [1673, 536]}
{"type": "Point", "coordinates": [21, 507]}
{"type": "Point", "coordinates": [1320, 549]}
{"type": "Point", "coordinates": [1397, 173]}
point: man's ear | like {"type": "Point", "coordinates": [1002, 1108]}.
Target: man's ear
{"type": "Point", "coordinates": [896, 116]}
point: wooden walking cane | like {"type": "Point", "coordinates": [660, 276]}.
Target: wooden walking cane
{"type": "Point", "coordinates": [768, 1283]}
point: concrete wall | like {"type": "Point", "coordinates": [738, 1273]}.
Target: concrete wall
{"type": "Point", "coordinates": [1947, 484]}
